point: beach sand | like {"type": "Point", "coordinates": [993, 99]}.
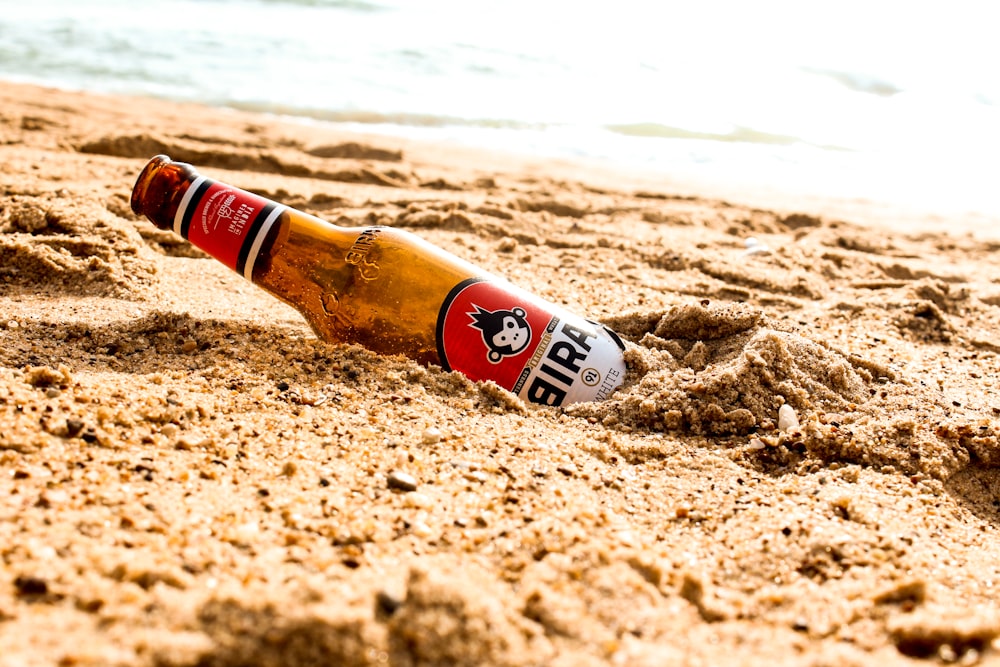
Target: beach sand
{"type": "Point", "coordinates": [189, 477]}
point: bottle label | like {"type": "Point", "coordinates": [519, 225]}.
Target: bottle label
{"type": "Point", "coordinates": [228, 223]}
{"type": "Point", "coordinates": [489, 330]}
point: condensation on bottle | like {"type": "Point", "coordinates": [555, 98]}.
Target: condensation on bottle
{"type": "Point", "coordinates": [388, 290]}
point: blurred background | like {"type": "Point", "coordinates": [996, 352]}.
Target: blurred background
{"type": "Point", "coordinates": [889, 101]}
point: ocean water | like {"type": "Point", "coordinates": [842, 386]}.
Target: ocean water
{"type": "Point", "coordinates": [891, 101]}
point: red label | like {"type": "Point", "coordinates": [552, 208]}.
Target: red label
{"type": "Point", "coordinates": [225, 221]}
{"type": "Point", "coordinates": [488, 333]}
{"type": "Point", "coordinates": [489, 330]}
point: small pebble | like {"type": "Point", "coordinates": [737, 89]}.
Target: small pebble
{"type": "Point", "coordinates": [567, 469]}
{"type": "Point", "coordinates": [475, 476]}
{"type": "Point", "coordinates": [755, 247]}
{"type": "Point", "coordinates": [244, 533]}
{"type": "Point", "coordinates": [402, 481]}
{"type": "Point", "coordinates": [421, 529]}
{"type": "Point", "coordinates": [27, 586]}
{"type": "Point", "coordinates": [626, 538]}
{"type": "Point", "coordinates": [417, 500]}
{"type": "Point", "coordinates": [432, 435]}
{"type": "Point", "coordinates": [386, 603]}
{"type": "Point", "coordinates": [507, 244]}
{"type": "Point", "coordinates": [787, 419]}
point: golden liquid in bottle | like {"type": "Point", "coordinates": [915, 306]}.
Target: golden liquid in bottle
{"type": "Point", "coordinates": [379, 287]}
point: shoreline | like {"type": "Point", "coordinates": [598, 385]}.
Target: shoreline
{"type": "Point", "coordinates": [189, 476]}
{"type": "Point", "coordinates": [718, 181]}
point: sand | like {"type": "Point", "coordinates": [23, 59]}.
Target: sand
{"type": "Point", "coordinates": [189, 477]}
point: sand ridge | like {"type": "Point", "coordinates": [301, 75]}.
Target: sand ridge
{"type": "Point", "coordinates": [189, 477]}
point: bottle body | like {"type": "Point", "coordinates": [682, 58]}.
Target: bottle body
{"type": "Point", "coordinates": [388, 290]}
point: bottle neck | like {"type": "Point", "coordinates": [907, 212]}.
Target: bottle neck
{"type": "Point", "coordinates": [228, 223]}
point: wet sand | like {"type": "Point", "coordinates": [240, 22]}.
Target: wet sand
{"type": "Point", "coordinates": [189, 477]}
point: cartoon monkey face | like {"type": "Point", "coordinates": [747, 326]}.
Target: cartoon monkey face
{"type": "Point", "coordinates": [514, 334]}
{"type": "Point", "coordinates": [505, 332]}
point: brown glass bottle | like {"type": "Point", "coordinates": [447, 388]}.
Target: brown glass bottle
{"type": "Point", "coordinates": [387, 289]}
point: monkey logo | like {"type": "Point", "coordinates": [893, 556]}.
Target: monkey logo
{"type": "Point", "coordinates": [505, 332]}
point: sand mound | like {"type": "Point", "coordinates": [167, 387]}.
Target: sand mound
{"type": "Point", "coordinates": [51, 244]}
{"type": "Point", "coordinates": [211, 152]}
{"type": "Point", "coordinates": [725, 371]}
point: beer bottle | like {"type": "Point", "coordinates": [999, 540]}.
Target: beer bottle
{"type": "Point", "coordinates": [388, 290]}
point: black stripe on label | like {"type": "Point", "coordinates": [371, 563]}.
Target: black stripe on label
{"type": "Point", "coordinates": [611, 334]}
{"type": "Point", "coordinates": [192, 205]}
{"type": "Point", "coordinates": [443, 314]}
{"type": "Point", "coordinates": [251, 236]}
